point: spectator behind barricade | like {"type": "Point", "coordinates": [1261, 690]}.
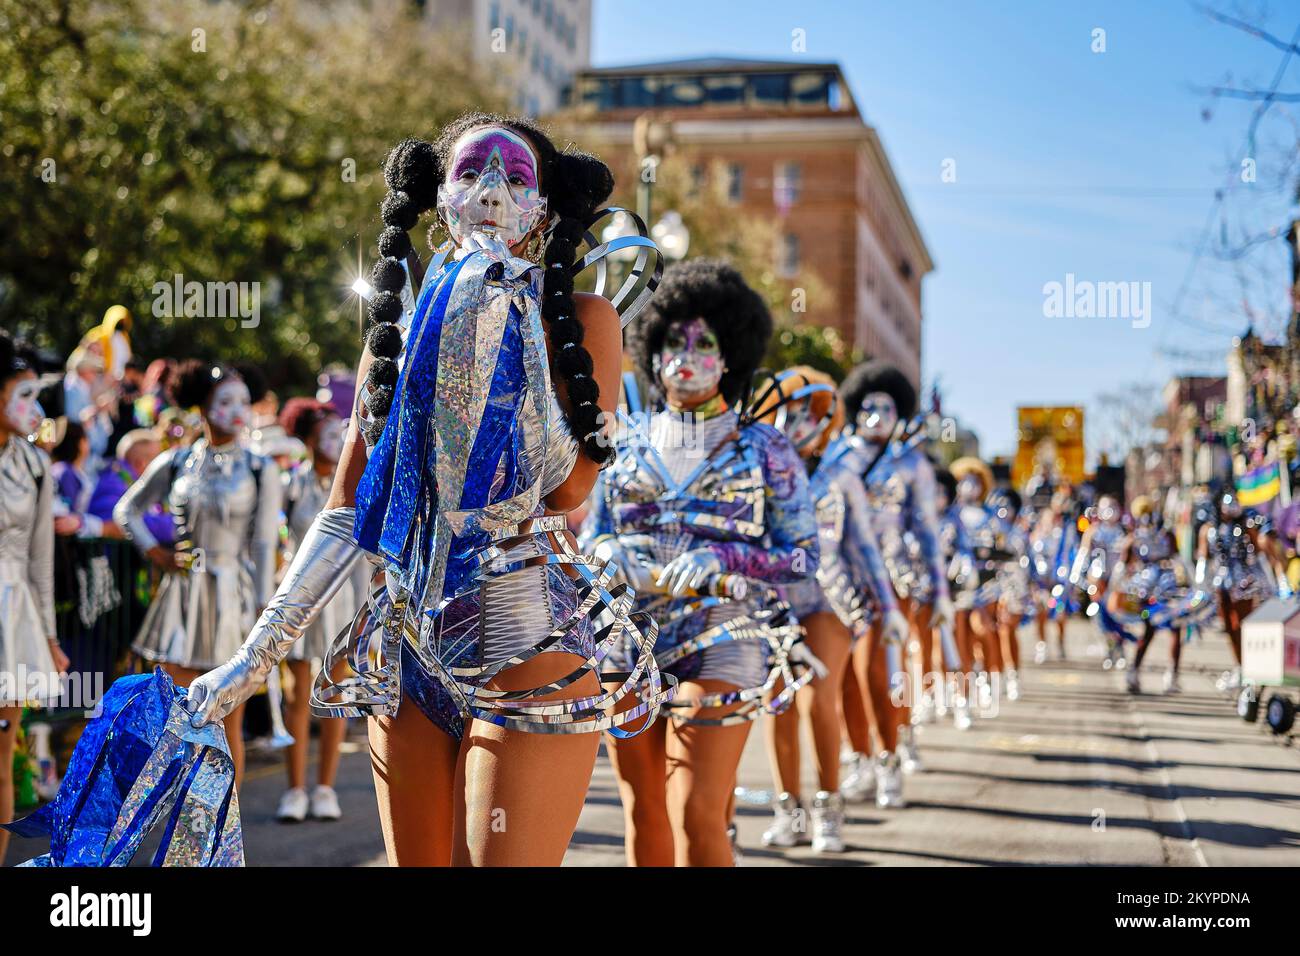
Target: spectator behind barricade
{"type": "Point", "coordinates": [73, 482]}
{"type": "Point", "coordinates": [177, 427]}
{"type": "Point", "coordinates": [94, 374]}
{"type": "Point", "coordinates": [155, 392]}
{"type": "Point", "coordinates": [135, 451]}
{"type": "Point", "coordinates": [124, 415]}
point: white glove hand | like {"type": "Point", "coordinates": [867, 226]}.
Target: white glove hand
{"type": "Point", "coordinates": [944, 613]}
{"type": "Point", "coordinates": [801, 653]}
{"type": "Point", "coordinates": [690, 571]}
{"type": "Point", "coordinates": [631, 568]}
{"type": "Point", "coordinates": [895, 628]}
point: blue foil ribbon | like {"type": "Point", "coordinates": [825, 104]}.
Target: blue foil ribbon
{"type": "Point", "coordinates": [138, 764]}
{"type": "Point", "coordinates": [462, 448]}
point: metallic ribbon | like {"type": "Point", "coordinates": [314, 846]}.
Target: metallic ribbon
{"type": "Point", "coordinates": [137, 766]}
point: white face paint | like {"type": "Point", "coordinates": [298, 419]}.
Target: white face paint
{"type": "Point", "coordinates": [970, 490]}
{"type": "Point", "coordinates": [877, 417]}
{"type": "Point", "coordinates": [330, 443]}
{"type": "Point", "coordinates": [1108, 510]}
{"type": "Point", "coordinates": [690, 362]}
{"type": "Point", "coordinates": [230, 408]}
{"type": "Point", "coordinates": [23, 413]}
{"type": "Point", "coordinates": [1230, 507]}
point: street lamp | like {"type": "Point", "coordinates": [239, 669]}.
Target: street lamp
{"type": "Point", "coordinates": [671, 236]}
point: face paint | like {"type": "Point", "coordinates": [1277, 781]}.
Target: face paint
{"type": "Point", "coordinates": [800, 426]}
{"type": "Point", "coordinates": [1107, 511]}
{"type": "Point", "coordinates": [690, 362]}
{"type": "Point", "coordinates": [330, 443]}
{"type": "Point", "coordinates": [493, 186]}
{"type": "Point", "coordinates": [229, 409]}
{"type": "Point", "coordinates": [877, 417]}
{"type": "Point", "coordinates": [970, 490]}
{"type": "Point", "coordinates": [1230, 507]}
{"type": "Point", "coordinates": [23, 413]}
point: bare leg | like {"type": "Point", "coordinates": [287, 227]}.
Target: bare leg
{"type": "Point", "coordinates": [414, 764]}
{"type": "Point", "coordinates": [641, 765]}
{"type": "Point", "coordinates": [297, 720]}
{"type": "Point", "coordinates": [9, 717]}
{"type": "Point", "coordinates": [873, 670]}
{"type": "Point", "coordinates": [518, 794]}
{"type": "Point", "coordinates": [857, 716]}
{"type": "Point", "coordinates": [782, 736]}
{"type": "Point", "coordinates": [702, 764]}
{"type": "Point", "coordinates": [830, 641]}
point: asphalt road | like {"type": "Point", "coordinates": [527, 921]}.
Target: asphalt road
{"type": "Point", "coordinates": [1075, 772]}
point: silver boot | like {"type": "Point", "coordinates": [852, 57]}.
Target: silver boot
{"type": "Point", "coordinates": [889, 781]}
{"type": "Point", "coordinates": [908, 754]}
{"type": "Point", "coordinates": [859, 783]}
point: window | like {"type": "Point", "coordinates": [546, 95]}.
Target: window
{"type": "Point", "coordinates": [735, 182]}
{"type": "Point", "coordinates": [787, 265]}
{"type": "Point", "coordinates": [785, 185]}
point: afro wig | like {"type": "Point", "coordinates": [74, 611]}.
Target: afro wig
{"type": "Point", "coordinates": [947, 482]}
{"type": "Point", "coordinates": [196, 380]}
{"type": "Point", "coordinates": [876, 376]}
{"type": "Point", "coordinates": [300, 416]}
{"type": "Point", "coordinates": [717, 293]}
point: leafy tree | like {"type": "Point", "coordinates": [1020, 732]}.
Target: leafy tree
{"type": "Point", "coordinates": [222, 141]}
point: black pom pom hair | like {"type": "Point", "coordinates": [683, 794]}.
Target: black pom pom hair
{"type": "Point", "coordinates": [877, 376]}
{"type": "Point", "coordinates": [197, 379]}
{"type": "Point", "coordinates": [574, 183]}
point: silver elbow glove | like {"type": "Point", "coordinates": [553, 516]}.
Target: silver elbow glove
{"type": "Point", "coordinates": [324, 561]}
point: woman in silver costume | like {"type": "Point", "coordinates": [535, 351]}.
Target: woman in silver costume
{"type": "Point", "coordinates": [30, 656]}
{"type": "Point", "coordinates": [901, 489]}
{"type": "Point", "coordinates": [1242, 555]}
{"type": "Point", "coordinates": [1146, 586]}
{"type": "Point", "coordinates": [1050, 545]}
{"type": "Point", "coordinates": [803, 404]}
{"type": "Point", "coordinates": [988, 538]}
{"type": "Point", "coordinates": [226, 504]}
{"type": "Point", "coordinates": [698, 504]}
{"type": "Point", "coordinates": [1099, 552]}
{"type": "Point", "coordinates": [478, 667]}
{"type": "Point", "coordinates": [306, 489]}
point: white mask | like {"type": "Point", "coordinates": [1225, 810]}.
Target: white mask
{"type": "Point", "coordinates": [23, 413]}
{"type": "Point", "coordinates": [877, 417]}
{"type": "Point", "coordinates": [230, 409]}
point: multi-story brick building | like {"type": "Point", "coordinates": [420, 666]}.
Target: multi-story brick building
{"type": "Point", "coordinates": [796, 150]}
{"type": "Point", "coordinates": [538, 43]}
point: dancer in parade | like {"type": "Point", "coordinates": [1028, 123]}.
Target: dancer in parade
{"type": "Point", "coordinates": [1236, 559]}
{"type": "Point", "coordinates": [478, 425]}
{"type": "Point", "coordinates": [1145, 589]}
{"type": "Point", "coordinates": [306, 489]}
{"type": "Point", "coordinates": [226, 504]}
{"type": "Point", "coordinates": [1099, 552]}
{"type": "Point", "coordinates": [30, 656]}
{"type": "Point", "coordinates": [1051, 543]}
{"type": "Point", "coordinates": [903, 503]}
{"type": "Point", "coordinates": [703, 513]}
{"type": "Point", "coordinates": [804, 405]}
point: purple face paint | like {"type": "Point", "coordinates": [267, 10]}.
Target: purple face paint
{"type": "Point", "coordinates": [690, 362]}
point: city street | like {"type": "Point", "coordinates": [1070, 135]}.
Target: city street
{"type": "Point", "coordinates": [1077, 771]}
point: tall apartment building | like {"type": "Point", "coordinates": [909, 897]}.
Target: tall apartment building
{"type": "Point", "coordinates": [795, 150]}
{"type": "Point", "coordinates": [539, 43]}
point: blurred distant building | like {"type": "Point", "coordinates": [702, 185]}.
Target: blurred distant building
{"type": "Point", "coordinates": [1192, 421]}
{"type": "Point", "coordinates": [795, 150]}
{"type": "Point", "coordinates": [541, 43]}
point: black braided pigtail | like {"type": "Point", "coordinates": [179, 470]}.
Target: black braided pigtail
{"type": "Point", "coordinates": [412, 175]}
{"type": "Point", "coordinates": [579, 183]}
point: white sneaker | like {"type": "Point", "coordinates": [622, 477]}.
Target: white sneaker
{"type": "Point", "coordinates": [889, 782]}
{"type": "Point", "coordinates": [325, 804]}
{"type": "Point", "coordinates": [961, 718]}
{"type": "Point", "coordinates": [925, 711]}
{"type": "Point", "coordinates": [293, 806]}
{"type": "Point", "coordinates": [1171, 683]}
{"type": "Point", "coordinates": [1013, 685]}
{"type": "Point", "coordinates": [859, 782]}
{"type": "Point", "coordinates": [1131, 682]}
{"type": "Point", "coordinates": [827, 822]}
{"type": "Point", "coordinates": [788, 825]}
{"type": "Point", "coordinates": [984, 693]}
{"type": "Point", "coordinates": [1040, 652]}
{"type": "Point", "coordinates": [908, 754]}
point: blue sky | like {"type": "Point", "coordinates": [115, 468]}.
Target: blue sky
{"type": "Point", "coordinates": [1068, 161]}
